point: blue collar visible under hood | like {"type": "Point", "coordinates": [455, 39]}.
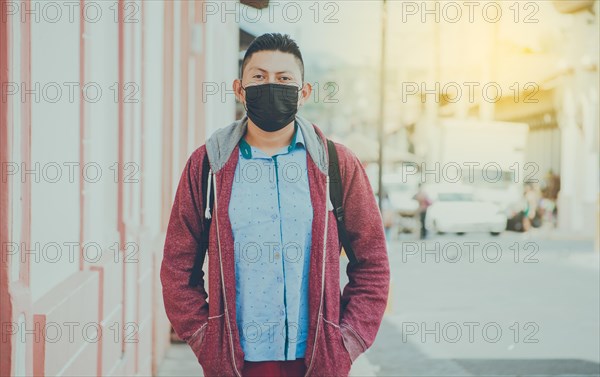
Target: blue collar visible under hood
{"type": "Point", "coordinates": [223, 141]}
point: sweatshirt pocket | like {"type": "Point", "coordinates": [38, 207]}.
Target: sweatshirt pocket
{"type": "Point", "coordinates": [333, 357]}
{"type": "Point", "coordinates": [196, 341]}
{"type": "Point", "coordinates": [213, 350]}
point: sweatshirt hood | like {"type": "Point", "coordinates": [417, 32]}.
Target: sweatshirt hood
{"type": "Point", "coordinates": [223, 141]}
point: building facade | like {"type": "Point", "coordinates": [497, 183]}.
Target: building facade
{"type": "Point", "coordinates": [102, 103]}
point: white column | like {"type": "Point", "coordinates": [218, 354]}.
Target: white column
{"type": "Point", "coordinates": [569, 213]}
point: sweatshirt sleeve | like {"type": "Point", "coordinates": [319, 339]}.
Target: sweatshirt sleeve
{"type": "Point", "coordinates": [364, 298]}
{"type": "Point", "coordinates": [186, 307]}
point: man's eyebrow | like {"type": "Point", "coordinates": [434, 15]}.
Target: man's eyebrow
{"type": "Point", "coordinates": [277, 73]}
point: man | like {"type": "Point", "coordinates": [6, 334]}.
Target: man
{"type": "Point", "coordinates": [424, 203]}
{"type": "Point", "coordinates": [273, 251]}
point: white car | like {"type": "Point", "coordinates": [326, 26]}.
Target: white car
{"type": "Point", "coordinates": [456, 211]}
{"type": "Point", "coordinates": [400, 191]}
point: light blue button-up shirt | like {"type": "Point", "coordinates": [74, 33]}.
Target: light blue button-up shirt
{"type": "Point", "coordinates": [271, 219]}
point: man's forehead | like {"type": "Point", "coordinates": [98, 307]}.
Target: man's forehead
{"type": "Point", "coordinates": [273, 62]}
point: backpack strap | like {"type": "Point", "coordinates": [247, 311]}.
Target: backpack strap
{"type": "Point", "coordinates": [336, 193]}
{"type": "Point", "coordinates": [197, 272]}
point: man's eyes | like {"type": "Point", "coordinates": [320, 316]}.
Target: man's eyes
{"type": "Point", "coordinates": [283, 78]}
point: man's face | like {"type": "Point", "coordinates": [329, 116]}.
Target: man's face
{"type": "Point", "coordinates": [272, 67]}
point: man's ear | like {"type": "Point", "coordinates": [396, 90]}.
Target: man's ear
{"type": "Point", "coordinates": [239, 92]}
{"type": "Point", "coordinates": [305, 94]}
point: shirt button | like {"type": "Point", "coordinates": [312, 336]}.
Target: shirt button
{"type": "Point", "coordinates": [279, 279]}
{"type": "Point", "coordinates": [276, 255]}
{"type": "Point", "coordinates": [273, 217]}
{"type": "Point", "coordinates": [281, 312]}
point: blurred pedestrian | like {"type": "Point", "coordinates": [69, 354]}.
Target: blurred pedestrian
{"type": "Point", "coordinates": [531, 197]}
{"type": "Point", "coordinates": [424, 202]}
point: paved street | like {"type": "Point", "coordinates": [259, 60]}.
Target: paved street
{"type": "Point", "coordinates": [517, 304]}
{"type": "Point", "coordinates": [477, 305]}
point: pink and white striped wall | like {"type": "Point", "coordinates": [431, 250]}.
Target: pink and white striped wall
{"type": "Point", "coordinates": [79, 284]}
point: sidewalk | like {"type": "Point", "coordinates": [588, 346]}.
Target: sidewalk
{"type": "Point", "coordinates": [180, 361]}
{"type": "Point", "coordinates": [549, 232]}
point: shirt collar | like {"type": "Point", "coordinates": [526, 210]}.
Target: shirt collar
{"type": "Point", "coordinates": [246, 149]}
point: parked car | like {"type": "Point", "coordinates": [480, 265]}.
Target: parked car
{"type": "Point", "coordinates": [401, 209]}
{"type": "Point", "coordinates": [454, 209]}
{"type": "Point", "coordinates": [400, 191]}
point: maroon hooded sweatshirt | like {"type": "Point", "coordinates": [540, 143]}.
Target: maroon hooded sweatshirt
{"type": "Point", "coordinates": [341, 326]}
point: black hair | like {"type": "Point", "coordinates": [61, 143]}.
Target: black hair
{"type": "Point", "coordinates": [274, 42]}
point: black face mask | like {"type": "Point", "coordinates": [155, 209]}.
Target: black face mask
{"type": "Point", "coordinates": [271, 106]}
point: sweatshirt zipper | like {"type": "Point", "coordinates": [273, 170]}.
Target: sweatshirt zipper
{"type": "Point", "coordinates": [223, 280]}
{"type": "Point", "coordinates": [327, 209]}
